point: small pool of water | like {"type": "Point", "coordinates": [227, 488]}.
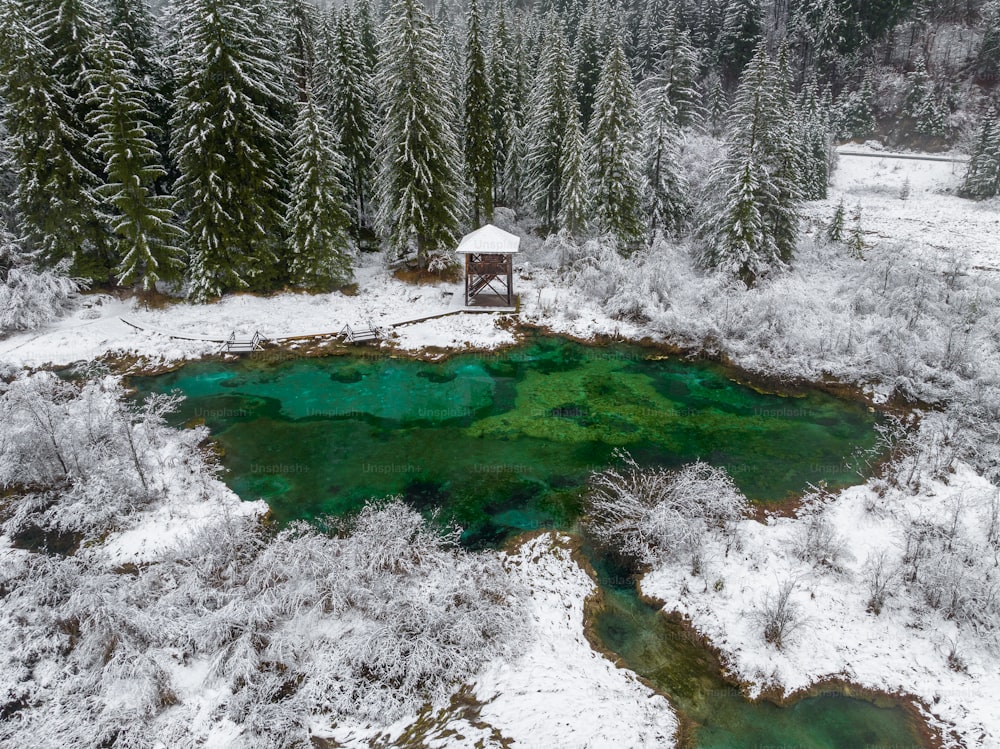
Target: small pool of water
{"type": "Point", "coordinates": [504, 443]}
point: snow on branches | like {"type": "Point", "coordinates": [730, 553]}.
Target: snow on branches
{"type": "Point", "coordinates": [647, 516]}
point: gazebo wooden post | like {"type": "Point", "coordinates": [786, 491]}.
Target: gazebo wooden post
{"type": "Point", "coordinates": [510, 277]}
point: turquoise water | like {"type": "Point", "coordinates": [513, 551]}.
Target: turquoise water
{"type": "Point", "coordinates": [503, 444]}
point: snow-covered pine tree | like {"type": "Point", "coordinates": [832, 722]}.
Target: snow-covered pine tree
{"type": "Point", "coordinates": [132, 23]}
{"type": "Point", "coordinates": [675, 69]}
{"type": "Point", "coordinates": [549, 109]}
{"type": "Point", "coordinates": [818, 144]}
{"type": "Point", "coordinates": [145, 234]}
{"type": "Point", "coordinates": [588, 55]}
{"type": "Point", "coordinates": [67, 28]}
{"type": "Point", "coordinates": [987, 64]}
{"type": "Point", "coordinates": [817, 28]}
{"type": "Point", "coordinates": [364, 22]}
{"type": "Point", "coordinates": [786, 154]}
{"type": "Point", "coordinates": [54, 194]}
{"type": "Point", "coordinates": [574, 197]}
{"type": "Point", "coordinates": [855, 116]}
{"type": "Point", "coordinates": [478, 132]}
{"type": "Point", "coordinates": [419, 183]}
{"type": "Point", "coordinates": [716, 105]}
{"type": "Point", "coordinates": [301, 32]}
{"type": "Point", "coordinates": [835, 231]}
{"type": "Point", "coordinates": [656, 16]}
{"type": "Point", "coordinates": [982, 177]}
{"type": "Point", "coordinates": [351, 102]}
{"type": "Point", "coordinates": [856, 237]}
{"type": "Point", "coordinates": [753, 229]}
{"type": "Point", "coordinates": [317, 221]}
{"type": "Point", "coordinates": [505, 107]}
{"type": "Point", "coordinates": [228, 146]}
{"type": "Point", "coordinates": [742, 30]}
{"type": "Point", "coordinates": [666, 203]}
{"type": "Point", "coordinates": [616, 155]}
{"type": "Point", "coordinates": [923, 103]}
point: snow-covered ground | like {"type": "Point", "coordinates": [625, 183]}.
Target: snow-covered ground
{"type": "Point", "coordinates": [931, 219]}
{"type": "Point", "coordinates": [558, 693]}
{"type": "Point", "coordinates": [904, 649]}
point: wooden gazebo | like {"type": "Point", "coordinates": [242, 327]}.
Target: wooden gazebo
{"type": "Point", "coordinates": [489, 266]}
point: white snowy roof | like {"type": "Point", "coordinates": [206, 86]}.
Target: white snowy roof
{"type": "Point", "coordinates": [490, 240]}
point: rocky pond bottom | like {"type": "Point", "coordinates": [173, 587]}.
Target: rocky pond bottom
{"type": "Point", "coordinates": [503, 443]}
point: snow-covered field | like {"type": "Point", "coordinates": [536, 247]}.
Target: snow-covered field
{"type": "Point", "coordinates": [903, 649]}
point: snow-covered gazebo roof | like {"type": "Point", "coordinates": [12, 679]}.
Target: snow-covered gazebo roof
{"type": "Point", "coordinates": [489, 240]}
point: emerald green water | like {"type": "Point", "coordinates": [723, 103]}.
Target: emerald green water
{"type": "Point", "coordinates": [503, 444]}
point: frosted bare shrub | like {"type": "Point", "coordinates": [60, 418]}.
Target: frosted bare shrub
{"type": "Point", "coordinates": [651, 515]}
{"type": "Point", "coordinates": [881, 579]}
{"type": "Point", "coordinates": [81, 459]}
{"type": "Point", "coordinates": [778, 616]}
{"type": "Point", "coordinates": [817, 540]}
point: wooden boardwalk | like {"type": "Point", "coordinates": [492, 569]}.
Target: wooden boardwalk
{"type": "Point", "coordinates": [351, 334]}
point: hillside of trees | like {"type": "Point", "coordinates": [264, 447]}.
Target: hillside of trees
{"type": "Point", "coordinates": [211, 146]}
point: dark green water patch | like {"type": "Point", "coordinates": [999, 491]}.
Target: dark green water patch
{"type": "Point", "coordinates": [503, 444]}
{"type": "Point", "coordinates": [317, 436]}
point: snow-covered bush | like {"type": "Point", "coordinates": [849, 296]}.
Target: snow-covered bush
{"type": "Point", "coordinates": [817, 540]}
{"type": "Point", "coordinates": [28, 297]}
{"type": "Point", "coordinates": [81, 460]}
{"type": "Point", "coordinates": [647, 516]}
{"type": "Point", "coordinates": [778, 616]}
{"type": "Point", "coordinates": [241, 626]}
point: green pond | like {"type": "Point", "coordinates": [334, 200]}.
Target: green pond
{"type": "Point", "coordinates": [503, 443]}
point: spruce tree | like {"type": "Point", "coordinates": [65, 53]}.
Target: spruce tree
{"type": "Point", "coordinates": [742, 30]}
{"type": "Point", "coordinates": [145, 235]}
{"type": "Point", "coordinates": [364, 22]}
{"type": "Point", "coordinates": [856, 113]}
{"type": "Point", "coordinates": [987, 63]}
{"type": "Point", "coordinates": [228, 144]}
{"type": "Point", "coordinates": [301, 31]}
{"type": "Point", "coordinates": [549, 110]}
{"type": "Point", "coordinates": [982, 177]}
{"type": "Point", "coordinates": [574, 197]}
{"type": "Point", "coordinates": [478, 131]}
{"type": "Point", "coordinates": [352, 113]}
{"type": "Point", "coordinates": [505, 107]}
{"type": "Point", "coordinates": [419, 184]}
{"type": "Point", "coordinates": [588, 53]}
{"type": "Point", "coordinates": [54, 194]}
{"type": "Point", "coordinates": [132, 23]}
{"type": "Point", "coordinates": [656, 16]}
{"type": "Point", "coordinates": [675, 71]}
{"type": "Point", "coordinates": [856, 237]}
{"type": "Point", "coordinates": [753, 229]}
{"type": "Point", "coordinates": [616, 171]}
{"type": "Point", "coordinates": [923, 103]}
{"type": "Point", "coordinates": [835, 231]}
{"type": "Point", "coordinates": [818, 143]}
{"type": "Point", "coordinates": [665, 203]}
{"type": "Point", "coordinates": [317, 221]}
{"type": "Point", "coordinates": [67, 28]}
